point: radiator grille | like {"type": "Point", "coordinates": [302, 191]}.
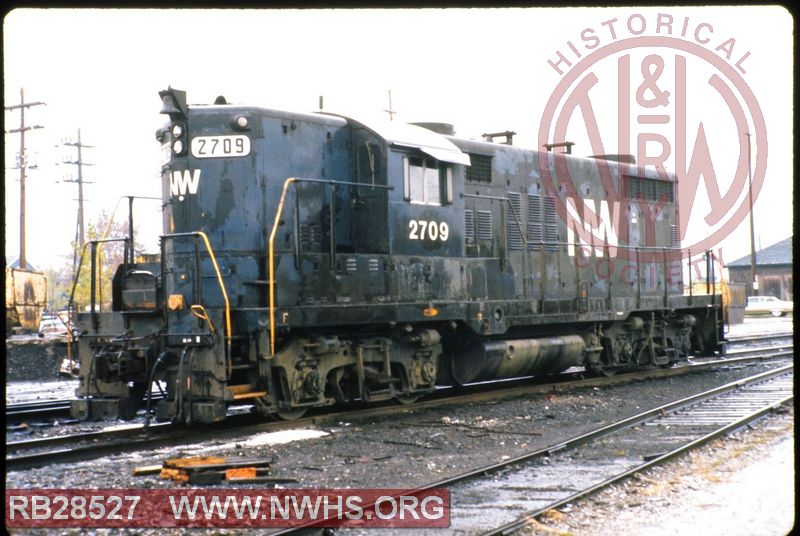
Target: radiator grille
{"type": "Point", "coordinates": [480, 168]}
{"type": "Point", "coordinates": [652, 190]}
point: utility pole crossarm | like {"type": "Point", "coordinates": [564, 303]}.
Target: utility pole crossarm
{"type": "Point", "coordinates": [25, 105]}
{"type": "Point", "coordinates": [16, 130]}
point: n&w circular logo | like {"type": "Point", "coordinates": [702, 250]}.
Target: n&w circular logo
{"type": "Point", "coordinates": [676, 95]}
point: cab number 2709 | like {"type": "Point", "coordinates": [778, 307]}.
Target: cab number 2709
{"type": "Point", "coordinates": [428, 230]}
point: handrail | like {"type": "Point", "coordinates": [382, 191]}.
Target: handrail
{"type": "Point", "coordinates": [271, 281]}
{"type": "Point", "coordinates": [228, 336]}
{"type": "Point", "coordinates": [130, 232]}
{"type": "Point", "coordinates": [289, 181]}
{"type": "Point", "coordinates": [94, 248]}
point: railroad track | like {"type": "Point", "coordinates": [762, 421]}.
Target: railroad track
{"type": "Point", "coordinates": [594, 461]}
{"type": "Point", "coordinates": [53, 409]}
{"type": "Point", "coordinates": [50, 409]}
{"type": "Point", "coordinates": [761, 338]}
{"type": "Point", "coordinates": [79, 447]}
{"type": "Point", "coordinates": [510, 494]}
{"type": "Point", "coordinates": [45, 410]}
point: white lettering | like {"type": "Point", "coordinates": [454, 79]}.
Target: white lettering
{"type": "Point", "coordinates": [602, 222]}
{"type": "Point", "coordinates": [435, 512]}
{"type": "Point", "coordinates": [182, 182]}
{"type": "Point", "coordinates": [19, 504]}
{"type": "Point", "coordinates": [428, 230]}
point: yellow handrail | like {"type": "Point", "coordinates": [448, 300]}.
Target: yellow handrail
{"type": "Point", "coordinates": [200, 312]}
{"type": "Point", "coordinates": [202, 235]}
{"type": "Point", "coordinates": [278, 213]}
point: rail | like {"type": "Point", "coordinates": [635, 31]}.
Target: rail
{"type": "Point", "coordinates": [478, 393]}
{"type": "Point", "coordinates": [724, 410]}
{"type": "Point", "coordinates": [496, 472]}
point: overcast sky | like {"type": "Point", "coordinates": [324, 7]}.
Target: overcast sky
{"type": "Point", "coordinates": [483, 70]}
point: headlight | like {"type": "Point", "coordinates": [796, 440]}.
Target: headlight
{"type": "Point", "coordinates": [177, 147]}
{"type": "Point", "coordinates": [177, 131]}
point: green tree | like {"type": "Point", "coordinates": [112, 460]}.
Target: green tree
{"type": "Point", "coordinates": [59, 284]}
{"type": "Point", "coordinates": [109, 256]}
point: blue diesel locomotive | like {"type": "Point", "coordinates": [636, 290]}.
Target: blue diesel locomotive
{"type": "Point", "coordinates": [312, 259]}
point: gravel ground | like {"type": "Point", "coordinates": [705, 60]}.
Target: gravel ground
{"type": "Point", "coordinates": [401, 451]}
{"type": "Point", "coordinates": [406, 450]}
{"type": "Point", "coordinates": [741, 485]}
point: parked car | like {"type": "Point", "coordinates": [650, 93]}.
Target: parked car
{"type": "Point", "coordinates": [768, 305]}
{"type": "Point", "coordinates": [53, 326]}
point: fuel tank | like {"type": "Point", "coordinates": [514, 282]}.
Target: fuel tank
{"type": "Point", "coordinates": [502, 359]}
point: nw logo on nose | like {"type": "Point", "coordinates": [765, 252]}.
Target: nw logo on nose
{"type": "Point", "coordinates": [183, 182]}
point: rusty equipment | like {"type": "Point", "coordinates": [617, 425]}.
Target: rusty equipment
{"type": "Point", "coordinates": [209, 470]}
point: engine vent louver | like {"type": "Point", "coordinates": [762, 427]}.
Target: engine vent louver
{"type": "Point", "coordinates": [484, 225]}
{"type": "Point", "coordinates": [469, 227]}
{"type": "Point", "coordinates": [550, 224]}
{"type": "Point", "coordinates": [535, 234]}
{"type": "Point", "coordinates": [514, 221]}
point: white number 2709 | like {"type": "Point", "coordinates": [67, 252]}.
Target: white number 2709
{"type": "Point", "coordinates": [428, 230]}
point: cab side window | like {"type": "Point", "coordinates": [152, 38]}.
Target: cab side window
{"type": "Point", "coordinates": [427, 181]}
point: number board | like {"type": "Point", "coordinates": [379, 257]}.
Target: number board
{"type": "Point", "coordinates": [220, 146]}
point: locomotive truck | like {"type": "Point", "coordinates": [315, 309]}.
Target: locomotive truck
{"type": "Point", "coordinates": [309, 259]}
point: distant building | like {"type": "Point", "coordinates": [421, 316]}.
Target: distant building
{"type": "Point", "coordinates": [774, 270]}
{"type": "Point", "coordinates": [29, 266]}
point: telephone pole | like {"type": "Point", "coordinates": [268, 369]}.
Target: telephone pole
{"type": "Point", "coordinates": [390, 111]}
{"type": "Point", "coordinates": [23, 163]}
{"type": "Point", "coordinates": [753, 273]}
{"type": "Point", "coordinates": [79, 232]}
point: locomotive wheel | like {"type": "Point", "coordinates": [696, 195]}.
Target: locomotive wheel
{"type": "Point", "coordinates": [291, 414]}
{"type": "Point", "coordinates": [407, 399]}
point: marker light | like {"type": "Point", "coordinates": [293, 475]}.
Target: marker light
{"type": "Point", "coordinates": [430, 312]}
{"type": "Point", "coordinates": [175, 302]}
